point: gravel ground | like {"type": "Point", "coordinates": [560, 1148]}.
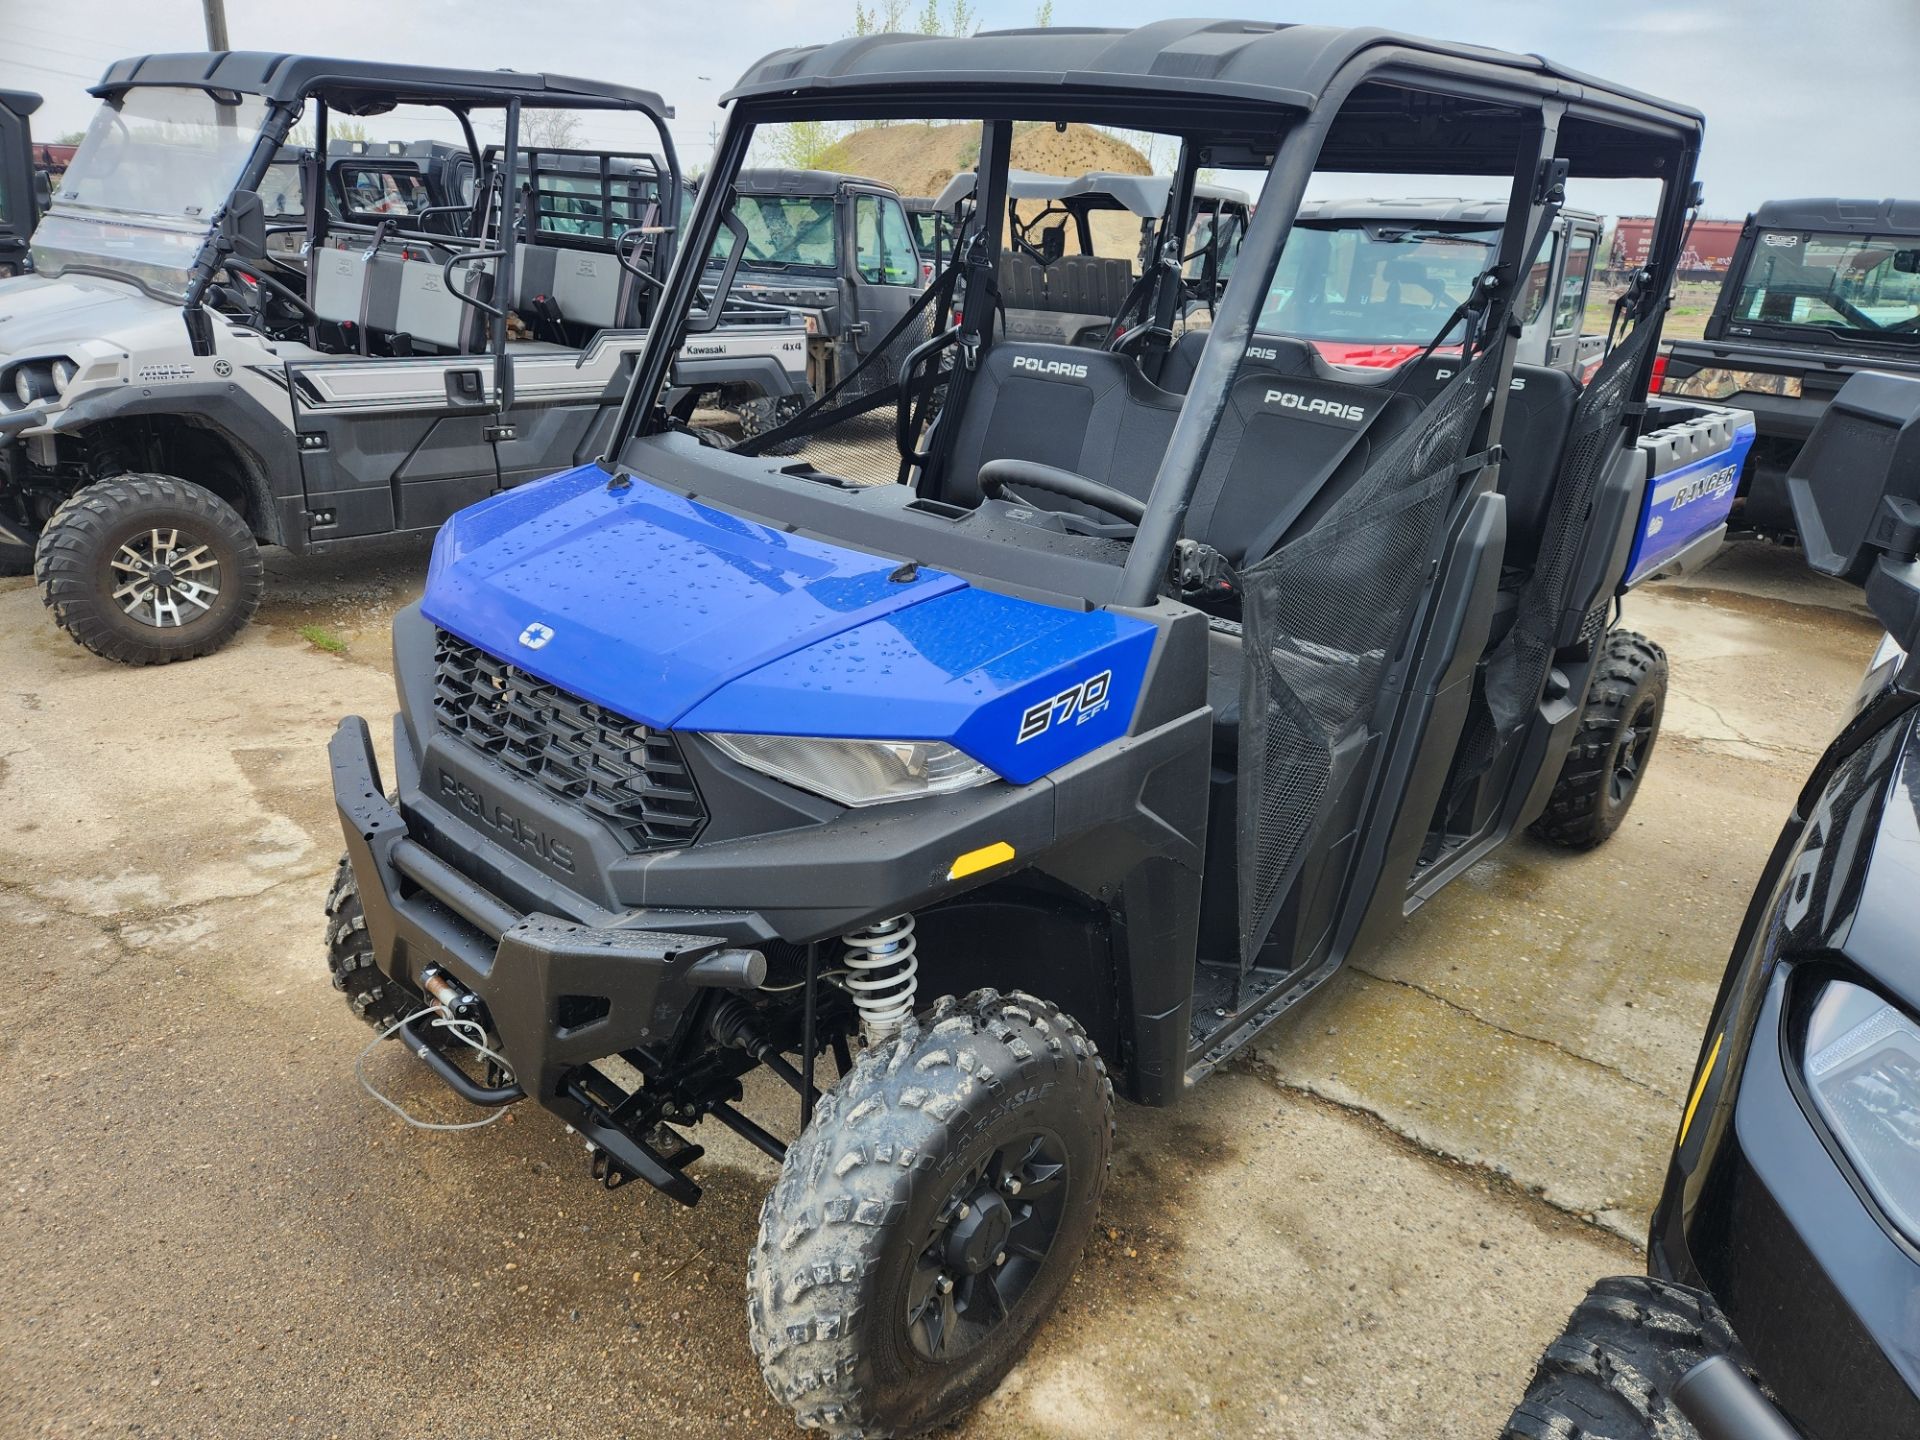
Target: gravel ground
{"type": "Point", "coordinates": [1366, 1228]}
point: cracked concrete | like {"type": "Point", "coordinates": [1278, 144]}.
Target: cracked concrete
{"type": "Point", "coordinates": [1366, 1228]}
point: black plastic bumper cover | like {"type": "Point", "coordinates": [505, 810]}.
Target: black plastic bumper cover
{"type": "Point", "coordinates": [560, 994]}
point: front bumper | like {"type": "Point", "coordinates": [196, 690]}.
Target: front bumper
{"type": "Point", "coordinates": [560, 994]}
{"type": "Point", "coordinates": [1825, 1300]}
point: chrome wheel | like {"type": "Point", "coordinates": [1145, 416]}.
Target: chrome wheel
{"type": "Point", "coordinates": [165, 579]}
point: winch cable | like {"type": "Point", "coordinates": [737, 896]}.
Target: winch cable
{"type": "Point", "coordinates": [454, 1027]}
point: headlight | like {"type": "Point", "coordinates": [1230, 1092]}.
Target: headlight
{"type": "Point", "coordinates": [33, 382]}
{"type": "Point", "coordinates": [858, 772]}
{"type": "Point", "coordinates": [1863, 1070]}
{"type": "Point", "coordinates": [63, 372]}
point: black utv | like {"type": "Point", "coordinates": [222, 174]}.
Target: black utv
{"type": "Point", "coordinates": [1783, 1295]}
{"type": "Point", "coordinates": [23, 186]}
{"type": "Point", "coordinates": [1064, 765]}
{"type": "Point", "coordinates": [1817, 290]}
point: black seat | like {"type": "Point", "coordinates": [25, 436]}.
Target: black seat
{"type": "Point", "coordinates": [1183, 358]}
{"type": "Point", "coordinates": [1540, 408]}
{"type": "Point", "coordinates": [1082, 410]}
{"type": "Point", "coordinates": [1294, 435]}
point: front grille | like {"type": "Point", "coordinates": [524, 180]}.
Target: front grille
{"type": "Point", "coordinates": [628, 776]}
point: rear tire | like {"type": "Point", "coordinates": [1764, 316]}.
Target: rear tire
{"type": "Point", "coordinates": [370, 994]}
{"type": "Point", "coordinates": [1613, 1369]}
{"type": "Point", "coordinates": [1618, 727]}
{"type": "Point", "coordinates": [971, 1155]}
{"type": "Point", "coordinates": [763, 413]}
{"type": "Point", "coordinates": [148, 569]}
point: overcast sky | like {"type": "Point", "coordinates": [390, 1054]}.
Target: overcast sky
{"type": "Point", "coordinates": [1801, 98]}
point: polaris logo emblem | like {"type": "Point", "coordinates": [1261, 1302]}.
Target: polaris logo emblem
{"type": "Point", "coordinates": [536, 635]}
{"type": "Point", "coordinates": [1078, 704]}
{"type": "Point", "coordinates": [1262, 352]}
{"type": "Point", "coordinates": [1332, 409]}
{"type": "Point", "coordinates": [1033, 364]}
{"type": "Point", "coordinates": [1780, 242]}
{"type": "Point", "coordinates": [510, 828]}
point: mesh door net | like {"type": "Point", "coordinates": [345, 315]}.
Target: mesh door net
{"type": "Point", "coordinates": [1323, 616]}
{"type": "Point", "coordinates": [1518, 668]}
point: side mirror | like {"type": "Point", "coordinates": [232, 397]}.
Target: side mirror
{"type": "Point", "coordinates": [1855, 489]}
{"type": "Point", "coordinates": [1053, 244]}
{"type": "Point", "coordinates": [243, 224]}
{"type": "Point", "coordinates": [42, 191]}
{"type": "Point", "coordinates": [1907, 262]}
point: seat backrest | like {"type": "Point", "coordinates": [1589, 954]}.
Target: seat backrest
{"type": "Point", "coordinates": [584, 285]}
{"type": "Point", "coordinates": [1294, 435]}
{"type": "Point", "coordinates": [1540, 406]}
{"type": "Point", "coordinates": [1023, 283]}
{"type": "Point", "coordinates": [1183, 358]}
{"type": "Point", "coordinates": [1082, 410]}
{"type": "Point", "coordinates": [339, 280]}
{"type": "Point", "coordinates": [430, 313]}
{"type": "Point", "coordinates": [1089, 284]}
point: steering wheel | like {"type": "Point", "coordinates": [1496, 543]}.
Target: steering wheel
{"type": "Point", "coordinates": [997, 475]}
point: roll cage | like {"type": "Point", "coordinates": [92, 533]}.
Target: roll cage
{"type": "Point", "coordinates": [291, 84]}
{"type": "Point", "coordinates": [1243, 95]}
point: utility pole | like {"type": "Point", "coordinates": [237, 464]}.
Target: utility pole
{"type": "Point", "coordinates": [216, 11]}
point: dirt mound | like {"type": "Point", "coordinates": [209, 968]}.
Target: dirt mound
{"type": "Point", "coordinates": [919, 159]}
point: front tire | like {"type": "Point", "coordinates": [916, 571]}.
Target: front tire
{"type": "Point", "coordinates": [929, 1218]}
{"type": "Point", "coordinates": [1618, 727]}
{"type": "Point", "coordinates": [369, 993]}
{"type": "Point", "coordinates": [148, 569]}
{"type": "Point", "coordinates": [1613, 1370]}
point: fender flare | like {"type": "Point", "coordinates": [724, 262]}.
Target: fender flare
{"type": "Point", "coordinates": [261, 443]}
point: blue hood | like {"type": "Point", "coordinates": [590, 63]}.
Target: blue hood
{"type": "Point", "coordinates": [679, 615]}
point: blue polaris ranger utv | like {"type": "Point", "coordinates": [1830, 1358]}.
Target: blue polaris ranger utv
{"type": "Point", "coordinates": [1165, 677]}
{"type": "Point", "coordinates": [1783, 1299]}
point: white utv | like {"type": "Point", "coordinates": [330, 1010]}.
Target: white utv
{"type": "Point", "coordinates": [199, 367]}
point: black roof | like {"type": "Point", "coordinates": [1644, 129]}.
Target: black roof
{"type": "Point", "coordinates": [20, 102]}
{"type": "Point", "coordinates": [1247, 60]}
{"type": "Point", "coordinates": [1876, 217]}
{"type": "Point", "coordinates": [799, 182]}
{"type": "Point", "coordinates": [295, 77]}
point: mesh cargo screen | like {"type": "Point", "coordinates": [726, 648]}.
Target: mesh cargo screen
{"type": "Point", "coordinates": [1323, 616]}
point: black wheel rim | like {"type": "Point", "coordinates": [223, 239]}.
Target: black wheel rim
{"type": "Point", "coordinates": [988, 1242]}
{"type": "Point", "coordinates": [165, 578]}
{"type": "Point", "coordinates": [1630, 755]}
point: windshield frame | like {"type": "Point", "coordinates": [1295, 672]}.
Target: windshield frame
{"type": "Point", "coordinates": [260, 127]}
{"type": "Point", "coordinates": [1740, 294]}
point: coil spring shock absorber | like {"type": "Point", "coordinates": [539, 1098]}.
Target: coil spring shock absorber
{"type": "Point", "coordinates": [885, 975]}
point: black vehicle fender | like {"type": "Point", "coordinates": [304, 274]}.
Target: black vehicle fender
{"type": "Point", "coordinates": [261, 443]}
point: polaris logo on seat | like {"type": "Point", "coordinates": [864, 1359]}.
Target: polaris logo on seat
{"type": "Point", "coordinates": [1076, 704]}
{"type": "Point", "coordinates": [1035, 365]}
{"type": "Point", "coordinates": [1262, 352]}
{"type": "Point", "coordinates": [1332, 409]}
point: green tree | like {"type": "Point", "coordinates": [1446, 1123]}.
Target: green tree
{"type": "Point", "coordinates": [965, 19]}
{"type": "Point", "coordinates": [1044, 15]}
{"type": "Point", "coordinates": [797, 145]}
